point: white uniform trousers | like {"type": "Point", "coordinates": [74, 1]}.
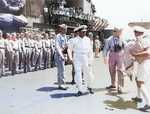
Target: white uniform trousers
{"type": "Point", "coordinates": [88, 75]}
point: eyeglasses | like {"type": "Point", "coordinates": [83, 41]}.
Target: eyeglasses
{"type": "Point", "coordinates": [115, 31]}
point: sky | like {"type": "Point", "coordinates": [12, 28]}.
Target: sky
{"type": "Point", "coordinates": [121, 12]}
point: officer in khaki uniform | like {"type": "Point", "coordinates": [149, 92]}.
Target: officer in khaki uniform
{"type": "Point", "coordinates": [38, 53]}
{"type": "Point", "coordinates": [2, 54]}
{"type": "Point", "coordinates": [27, 53]}
{"type": "Point", "coordinates": [47, 52]}
{"type": "Point", "coordinates": [53, 49]}
{"type": "Point", "coordinates": [8, 38]}
{"type": "Point", "coordinates": [9, 55]}
{"type": "Point", "coordinates": [14, 48]}
{"type": "Point", "coordinates": [21, 54]}
{"type": "Point", "coordinates": [32, 42]}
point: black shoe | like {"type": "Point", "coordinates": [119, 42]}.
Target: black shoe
{"type": "Point", "coordinates": [79, 93]}
{"type": "Point", "coordinates": [111, 86]}
{"type": "Point", "coordinates": [17, 72]}
{"type": "Point", "coordinates": [136, 99]}
{"type": "Point", "coordinates": [30, 70]}
{"type": "Point", "coordinates": [90, 89]}
{"type": "Point", "coordinates": [145, 108]}
{"type": "Point", "coordinates": [83, 82]}
{"type": "Point", "coordinates": [40, 68]}
{"type": "Point", "coordinates": [119, 90]}
{"type": "Point", "coordinates": [25, 70]}
{"type": "Point", "coordinates": [63, 88]}
{"type": "Point", "coordinates": [52, 65]}
{"type": "Point", "coordinates": [35, 69]}
{"type": "Point", "coordinates": [3, 74]}
{"type": "Point", "coordinates": [72, 82]}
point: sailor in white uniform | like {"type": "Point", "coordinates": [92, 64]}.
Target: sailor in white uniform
{"type": "Point", "coordinates": [143, 71]}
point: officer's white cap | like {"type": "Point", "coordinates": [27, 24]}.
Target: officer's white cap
{"type": "Point", "coordinates": [82, 28]}
{"type": "Point", "coordinates": [139, 29]}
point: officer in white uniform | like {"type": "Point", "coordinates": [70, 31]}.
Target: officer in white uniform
{"type": "Point", "coordinates": [82, 59]}
{"type": "Point", "coordinates": [2, 54]}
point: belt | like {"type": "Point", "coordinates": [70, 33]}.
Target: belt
{"type": "Point", "coordinates": [15, 50]}
{"type": "Point", "coordinates": [2, 48]}
{"type": "Point", "coordinates": [116, 51]}
{"type": "Point", "coordinates": [32, 47]}
{"type": "Point", "coordinates": [47, 47]}
{"type": "Point", "coordinates": [39, 48]}
{"type": "Point", "coordinates": [27, 46]}
{"type": "Point", "coordinates": [80, 53]}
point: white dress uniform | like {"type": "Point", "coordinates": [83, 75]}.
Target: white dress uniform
{"type": "Point", "coordinates": [47, 53]}
{"type": "Point", "coordinates": [82, 57]}
{"type": "Point", "coordinates": [2, 55]}
{"type": "Point", "coordinates": [38, 54]}
{"type": "Point", "coordinates": [143, 71]}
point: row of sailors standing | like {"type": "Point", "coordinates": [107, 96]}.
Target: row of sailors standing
{"type": "Point", "coordinates": [27, 52]}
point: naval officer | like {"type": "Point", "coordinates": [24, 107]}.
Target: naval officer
{"type": "Point", "coordinates": [82, 59]}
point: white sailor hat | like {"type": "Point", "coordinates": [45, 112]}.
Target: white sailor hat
{"type": "Point", "coordinates": [139, 29]}
{"type": "Point", "coordinates": [63, 26]}
{"type": "Point", "coordinates": [82, 28]}
{"type": "Point", "coordinates": [118, 28]}
{"type": "Point", "coordinates": [53, 33]}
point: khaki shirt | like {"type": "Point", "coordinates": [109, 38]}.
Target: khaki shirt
{"type": "Point", "coordinates": [14, 46]}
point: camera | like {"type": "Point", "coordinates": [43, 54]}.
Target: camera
{"type": "Point", "coordinates": [117, 48]}
{"type": "Point", "coordinates": [65, 50]}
